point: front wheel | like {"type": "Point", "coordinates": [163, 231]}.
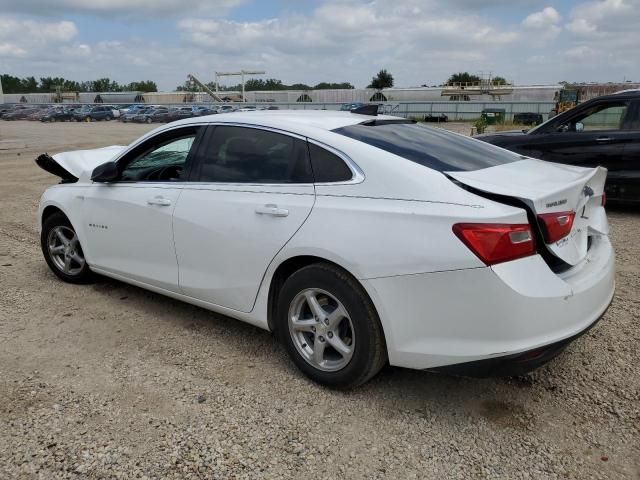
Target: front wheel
{"type": "Point", "coordinates": [62, 250]}
{"type": "Point", "coordinates": [329, 326]}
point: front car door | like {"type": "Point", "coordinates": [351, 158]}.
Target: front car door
{"type": "Point", "coordinates": [252, 189]}
{"type": "Point", "coordinates": [128, 222]}
{"type": "Point", "coordinates": [592, 136]}
{"type": "Point", "coordinates": [623, 180]}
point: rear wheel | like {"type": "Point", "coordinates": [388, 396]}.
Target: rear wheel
{"type": "Point", "coordinates": [62, 250]}
{"type": "Point", "coordinates": [330, 327]}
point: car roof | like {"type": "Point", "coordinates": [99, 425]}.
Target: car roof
{"type": "Point", "coordinates": [291, 120]}
{"type": "Point", "coordinates": [625, 94]}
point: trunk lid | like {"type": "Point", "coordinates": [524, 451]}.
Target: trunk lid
{"type": "Point", "coordinates": [70, 165]}
{"type": "Point", "coordinates": [545, 188]}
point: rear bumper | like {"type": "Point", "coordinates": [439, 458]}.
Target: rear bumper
{"type": "Point", "coordinates": [512, 365]}
{"type": "Point", "coordinates": [498, 314]}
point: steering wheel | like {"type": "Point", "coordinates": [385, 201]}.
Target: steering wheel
{"type": "Point", "coordinates": [171, 172]}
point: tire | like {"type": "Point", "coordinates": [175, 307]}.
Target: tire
{"type": "Point", "coordinates": [148, 120]}
{"type": "Point", "coordinates": [358, 328]}
{"type": "Point", "coordinates": [77, 271]}
{"type": "Point", "coordinates": [109, 118]}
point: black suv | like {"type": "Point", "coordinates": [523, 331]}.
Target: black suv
{"type": "Point", "coordinates": [603, 131]}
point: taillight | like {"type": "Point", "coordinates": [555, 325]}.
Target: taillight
{"type": "Point", "coordinates": [495, 242]}
{"type": "Point", "coordinates": [604, 199]}
{"type": "Point", "coordinates": [556, 226]}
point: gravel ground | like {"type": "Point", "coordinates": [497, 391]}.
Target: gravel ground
{"type": "Point", "coordinates": [111, 381]}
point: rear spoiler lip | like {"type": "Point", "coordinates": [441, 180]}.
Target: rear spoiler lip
{"type": "Point", "coordinates": [49, 164]}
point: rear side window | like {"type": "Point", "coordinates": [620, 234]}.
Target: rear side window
{"type": "Point", "coordinates": [431, 147]}
{"type": "Point", "coordinates": [250, 155]}
{"type": "Point", "coordinates": [327, 167]}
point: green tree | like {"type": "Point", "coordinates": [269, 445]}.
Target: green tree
{"type": "Point", "coordinates": [463, 77]}
{"type": "Point", "coordinates": [499, 81]}
{"type": "Point", "coordinates": [334, 86]}
{"type": "Point", "coordinates": [11, 84]}
{"type": "Point", "coordinates": [382, 80]}
{"type": "Point", "coordinates": [29, 84]}
{"type": "Point", "coordinates": [142, 86]}
{"type": "Point", "coordinates": [300, 86]}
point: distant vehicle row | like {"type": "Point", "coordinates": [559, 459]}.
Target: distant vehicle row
{"type": "Point", "coordinates": [136, 113]}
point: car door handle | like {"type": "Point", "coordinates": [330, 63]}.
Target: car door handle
{"type": "Point", "coordinates": [604, 139]}
{"type": "Point", "coordinates": [273, 210]}
{"type": "Point", "coordinates": [160, 201]}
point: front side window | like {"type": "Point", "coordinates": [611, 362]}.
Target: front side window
{"type": "Point", "coordinates": [600, 117]}
{"type": "Point", "coordinates": [159, 159]}
{"type": "Point", "coordinates": [251, 155]}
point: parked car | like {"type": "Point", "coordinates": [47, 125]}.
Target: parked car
{"type": "Point", "coordinates": [226, 109]}
{"type": "Point", "coordinates": [58, 115]}
{"type": "Point", "coordinates": [604, 131]}
{"type": "Point", "coordinates": [347, 107]}
{"type": "Point", "coordinates": [160, 114]}
{"type": "Point", "coordinates": [143, 116]}
{"type": "Point", "coordinates": [19, 113]}
{"type": "Point", "coordinates": [93, 114]}
{"type": "Point", "coordinates": [436, 118]}
{"type": "Point", "coordinates": [361, 239]}
{"type": "Point", "coordinates": [200, 111]}
{"type": "Point", "coordinates": [180, 113]}
{"type": "Point", "coordinates": [131, 108]}
{"type": "Point", "coordinates": [114, 110]}
{"type": "Point", "coordinates": [527, 118]}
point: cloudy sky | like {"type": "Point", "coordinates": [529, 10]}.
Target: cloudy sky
{"type": "Point", "coordinates": [419, 41]}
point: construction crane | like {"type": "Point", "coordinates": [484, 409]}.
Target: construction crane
{"type": "Point", "coordinates": [213, 94]}
{"type": "Point", "coordinates": [241, 73]}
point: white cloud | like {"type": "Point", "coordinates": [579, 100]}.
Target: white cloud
{"type": "Point", "coordinates": [134, 8]}
{"type": "Point", "coordinates": [419, 41]}
{"type": "Point", "coordinates": [543, 25]}
{"type": "Point", "coordinates": [547, 17]}
{"type": "Point", "coordinates": [34, 32]}
{"type": "Point", "coordinates": [581, 26]}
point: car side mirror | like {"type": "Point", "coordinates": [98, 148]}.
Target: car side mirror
{"type": "Point", "coordinates": [579, 127]}
{"type": "Point", "coordinates": [107, 172]}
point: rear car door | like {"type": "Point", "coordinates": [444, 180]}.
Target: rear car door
{"type": "Point", "coordinates": [128, 223]}
{"type": "Point", "coordinates": [252, 189]}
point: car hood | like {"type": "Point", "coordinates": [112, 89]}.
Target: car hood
{"type": "Point", "coordinates": [69, 166]}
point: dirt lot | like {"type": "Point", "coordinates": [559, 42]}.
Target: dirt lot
{"type": "Point", "coordinates": [111, 381]}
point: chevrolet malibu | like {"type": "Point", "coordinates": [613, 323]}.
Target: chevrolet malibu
{"type": "Point", "coordinates": [359, 240]}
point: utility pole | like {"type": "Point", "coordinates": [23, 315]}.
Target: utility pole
{"type": "Point", "coordinates": [241, 73]}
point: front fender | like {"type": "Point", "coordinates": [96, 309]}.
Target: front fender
{"type": "Point", "coordinates": [69, 199]}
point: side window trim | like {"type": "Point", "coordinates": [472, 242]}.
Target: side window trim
{"type": "Point", "coordinates": [197, 164]}
{"type": "Point", "coordinates": [356, 172]}
{"type": "Point", "coordinates": [187, 163]}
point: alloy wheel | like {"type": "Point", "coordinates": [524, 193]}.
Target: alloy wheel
{"type": "Point", "coordinates": [321, 329]}
{"type": "Point", "coordinates": [65, 251]}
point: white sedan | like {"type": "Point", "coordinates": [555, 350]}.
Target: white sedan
{"type": "Point", "coordinates": [359, 240]}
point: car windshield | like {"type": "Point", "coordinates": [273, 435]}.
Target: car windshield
{"type": "Point", "coordinates": [435, 148]}
{"type": "Point", "coordinates": [542, 125]}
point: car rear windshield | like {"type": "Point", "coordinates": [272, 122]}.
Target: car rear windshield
{"type": "Point", "coordinates": [431, 147]}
